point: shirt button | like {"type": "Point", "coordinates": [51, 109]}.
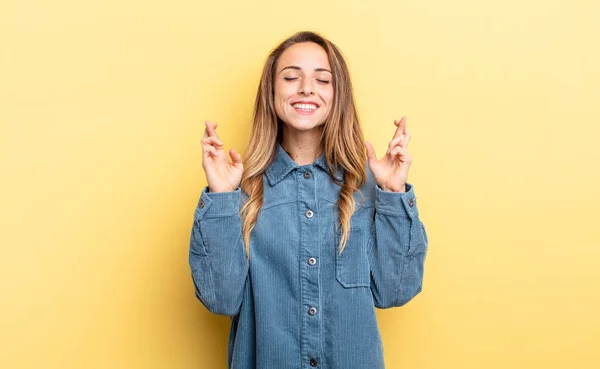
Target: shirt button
{"type": "Point", "coordinates": [312, 311]}
{"type": "Point", "coordinates": [313, 362]}
{"type": "Point", "coordinates": [309, 214]}
{"type": "Point", "coordinates": [312, 261]}
{"type": "Point", "coordinates": [201, 204]}
{"type": "Point", "coordinates": [307, 175]}
{"type": "Point", "coordinates": [411, 202]}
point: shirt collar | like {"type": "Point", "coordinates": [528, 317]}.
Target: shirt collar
{"type": "Point", "coordinates": [282, 165]}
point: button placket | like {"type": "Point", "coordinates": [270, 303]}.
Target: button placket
{"type": "Point", "coordinates": [310, 241]}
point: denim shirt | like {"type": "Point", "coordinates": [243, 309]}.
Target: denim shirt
{"type": "Point", "coordinates": [297, 302]}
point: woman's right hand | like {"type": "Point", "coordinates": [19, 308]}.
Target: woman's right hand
{"type": "Point", "coordinates": [222, 174]}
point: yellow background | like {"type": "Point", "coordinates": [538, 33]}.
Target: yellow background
{"type": "Point", "coordinates": [101, 111]}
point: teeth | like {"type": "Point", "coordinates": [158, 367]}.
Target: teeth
{"type": "Point", "coordinates": [305, 106]}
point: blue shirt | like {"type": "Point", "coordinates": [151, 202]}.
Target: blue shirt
{"type": "Point", "coordinates": [298, 303]}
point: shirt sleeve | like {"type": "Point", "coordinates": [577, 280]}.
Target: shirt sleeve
{"type": "Point", "coordinates": [397, 249]}
{"type": "Point", "coordinates": [217, 256]}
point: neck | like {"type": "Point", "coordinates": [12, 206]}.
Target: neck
{"type": "Point", "coordinates": [303, 147]}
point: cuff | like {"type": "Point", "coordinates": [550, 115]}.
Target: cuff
{"type": "Point", "coordinates": [218, 204]}
{"type": "Point", "coordinates": [397, 203]}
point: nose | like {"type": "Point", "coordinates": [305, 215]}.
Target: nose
{"type": "Point", "coordinates": [306, 88]}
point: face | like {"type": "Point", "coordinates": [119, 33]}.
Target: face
{"type": "Point", "coordinates": [303, 87]}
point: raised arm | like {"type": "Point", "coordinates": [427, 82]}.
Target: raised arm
{"type": "Point", "coordinates": [217, 257]}
{"type": "Point", "coordinates": [399, 244]}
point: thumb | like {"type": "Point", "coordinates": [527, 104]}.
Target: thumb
{"type": "Point", "coordinates": [235, 157]}
{"type": "Point", "coordinates": [371, 156]}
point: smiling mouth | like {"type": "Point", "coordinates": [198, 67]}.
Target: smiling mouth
{"type": "Point", "coordinates": [305, 108]}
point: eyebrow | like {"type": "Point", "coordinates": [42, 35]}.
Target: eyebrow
{"type": "Point", "coordinates": [298, 68]}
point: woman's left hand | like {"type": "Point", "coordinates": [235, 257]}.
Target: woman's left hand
{"type": "Point", "coordinates": [391, 171]}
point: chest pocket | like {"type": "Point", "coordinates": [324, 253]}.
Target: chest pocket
{"type": "Point", "coordinates": [352, 265]}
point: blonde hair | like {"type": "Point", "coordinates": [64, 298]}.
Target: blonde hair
{"type": "Point", "coordinates": [342, 138]}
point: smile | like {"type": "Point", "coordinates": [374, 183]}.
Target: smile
{"type": "Point", "coordinates": [305, 107]}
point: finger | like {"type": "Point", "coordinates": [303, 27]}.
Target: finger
{"type": "Point", "coordinates": [401, 153]}
{"type": "Point", "coordinates": [403, 141]}
{"type": "Point", "coordinates": [212, 124]}
{"type": "Point", "coordinates": [213, 141]}
{"type": "Point", "coordinates": [401, 126]}
{"type": "Point", "coordinates": [211, 128]}
{"type": "Point", "coordinates": [398, 150]}
{"type": "Point", "coordinates": [236, 158]}
{"type": "Point", "coordinates": [205, 129]}
{"type": "Point", "coordinates": [206, 151]}
{"type": "Point", "coordinates": [213, 151]}
{"type": "Point", "coordinates": [210, 150]}
{"type": "Point", "coordinates": [371, 155]}
{"type": "Point", "coordinates": [395, 142]}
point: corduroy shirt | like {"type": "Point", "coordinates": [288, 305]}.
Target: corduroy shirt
{"type": "Point", "coordinates": [297, 302]}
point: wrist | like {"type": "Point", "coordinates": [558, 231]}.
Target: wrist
{"type": "Point", "coordinates": [394, 189]}
{"type": "Point", "coordinates": [218, 189]}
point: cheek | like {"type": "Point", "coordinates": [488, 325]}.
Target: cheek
{"type": "Point", "coordinates": [282, 94]}
{"type": "Point", "coordinates": [280, 98]}
{"type": "Point", "coordinates": [277, 92]}
{"type": "Point", "coordinates": [327, 95]}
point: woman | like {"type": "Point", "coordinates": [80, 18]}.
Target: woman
{"type": "Point", "coordinates": [303, 240]}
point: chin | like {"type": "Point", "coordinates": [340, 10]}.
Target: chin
{"type": "Point", "coordinates": [303, 125]}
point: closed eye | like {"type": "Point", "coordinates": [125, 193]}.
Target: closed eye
{"type": "Point", "coordinates": [323, 81]}
{"type": "Point", "coordinates": [290, 78]}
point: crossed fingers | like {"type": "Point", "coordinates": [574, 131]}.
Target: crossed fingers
{"type": "Point", "coordinates": [211, 144]}
{"type": "Point", "coordinates": [399, 143]}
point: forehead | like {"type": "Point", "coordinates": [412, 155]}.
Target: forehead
{"type": "Point", "coordinates": [306, 55]}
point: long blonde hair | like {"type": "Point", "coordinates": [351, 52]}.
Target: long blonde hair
{"type": "Point", "coordinates": [342, 138]}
